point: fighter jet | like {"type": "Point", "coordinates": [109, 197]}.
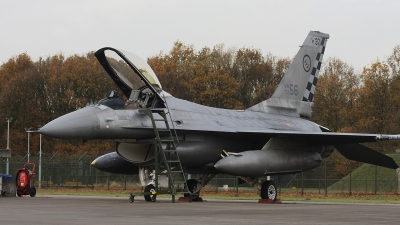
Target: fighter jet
{"type": "Point", "coordinates": [273, 138]}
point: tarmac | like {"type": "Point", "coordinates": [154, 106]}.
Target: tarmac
{"type": "Point", "coordinates": [55, 209]}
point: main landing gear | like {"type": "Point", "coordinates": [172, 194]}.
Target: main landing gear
{"type": "Point", "coordinates": [192, 186]}
{"type": "Point", "coordinates": [268, 191]}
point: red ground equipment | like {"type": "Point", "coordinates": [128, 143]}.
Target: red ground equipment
{"type": "Point", "coordinates": [24, 180]}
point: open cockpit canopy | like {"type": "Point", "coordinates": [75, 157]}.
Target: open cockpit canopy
{"type": "Point", "coordinates": [131, 74]}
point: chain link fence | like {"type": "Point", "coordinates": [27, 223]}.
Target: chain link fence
{"type": "Point", "coordinates": [77, 172]}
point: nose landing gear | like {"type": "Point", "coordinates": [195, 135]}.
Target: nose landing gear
{"type": "Point", "coordinates": [151, 197]}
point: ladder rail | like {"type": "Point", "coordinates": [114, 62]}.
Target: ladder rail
{"type": "Point", "coordinates": [169, 157]}
{"type": "Point", "coordinates": [172, 122]}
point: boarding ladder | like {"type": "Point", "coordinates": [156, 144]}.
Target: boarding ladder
{"type": "Point", "coordinates": [167, 160]}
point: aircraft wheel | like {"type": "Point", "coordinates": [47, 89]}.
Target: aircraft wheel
{"type": "Point", "coordinates": [269, 191]}
{"type": "Point", "coordinates": [19, 194]}
{"type": "Point", "coordinates": [150, 188]}
{"type": "Point", "coordinates": [32, 192]}
{"type": "Point", "coordinates": [192, 185]}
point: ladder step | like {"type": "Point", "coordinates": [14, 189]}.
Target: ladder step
{"type": "Point", "coordinates": [166, 140]}
{"type": "Point", "coordinates": [173, 161]}
{"type": "Point", "coordinates": [157, 109]}
{"type": "Point", "coordinates": [179, 182]}
{"type": "Point", "coordinates": [160, 120]}
{"type": "Point", "coordinates": [173, 171]}
{"type": "Point", "coordinates": [170, 150]}
{"type": "Point", "coordinates": [143, 110]}
{"type": "Point", "coordinates": [163, 130]}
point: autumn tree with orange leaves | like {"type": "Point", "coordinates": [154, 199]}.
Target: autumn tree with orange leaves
{"type": "Point", "coordinates": [37, 92]}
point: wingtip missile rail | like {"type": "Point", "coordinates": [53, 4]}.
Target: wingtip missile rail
{"type": "Point", "coordinates": [388, 137]}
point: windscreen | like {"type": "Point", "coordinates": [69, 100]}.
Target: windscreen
{"type": "Point", "coordinates": [127, 74]}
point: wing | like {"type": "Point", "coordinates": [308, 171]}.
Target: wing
{"type": "Point", "coordinates": [322, 138]}
{"type": "Point", "coordinates": [346, 143]}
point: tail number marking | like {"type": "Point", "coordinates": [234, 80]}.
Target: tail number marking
{"type": "Point", "coordinates": [315, 41]}
{"type": "Point", "coordinates": [291, 89]}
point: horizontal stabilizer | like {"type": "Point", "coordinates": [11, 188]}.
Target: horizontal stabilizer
{"type": "Point", "coordinates": [358, 152]}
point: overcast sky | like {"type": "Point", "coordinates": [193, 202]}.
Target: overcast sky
{"type": "Point", "coordinates": [360, 30]}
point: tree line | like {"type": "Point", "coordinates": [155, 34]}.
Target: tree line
{"type": "Point", "coordinates": [36, 92]}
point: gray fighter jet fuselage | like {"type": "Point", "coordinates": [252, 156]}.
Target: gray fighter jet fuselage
{"type": "Point", "coordinates": [203, 133]}
{"type": "Point", "coordinates": [273, 137]}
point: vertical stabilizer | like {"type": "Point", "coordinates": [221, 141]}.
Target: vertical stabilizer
{"type": "Point", "coordinates": [296, 90]}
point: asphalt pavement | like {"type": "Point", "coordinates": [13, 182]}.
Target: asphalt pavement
{"type": "Point", "coordinates": [55, 209]}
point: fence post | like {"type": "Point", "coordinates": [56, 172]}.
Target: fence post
{"type": "Point", "coordinates": [391, 189]}
{"type": "Point", "coordinates": [95, 174]}
{"type": "Point", "coordinates": [76, 175]}
{"type": "Point", "coordinates": [398, 180]}
{"type": "Point", "coordinates": [88, 173]}
{"type": "Point", "coordinates": [108, 181]}
{"type": "Point", "coordinates": [376, 179]}
{"type": "Point", "coordinates": [350, 177]}
{"type": "Point", "coordinates": [91, 174]}
{"type": "Point", "coordinates": [319, 186]}
{"type": "Point", "coordinates": [60, 175]}
{"type": "Point", "coordinates": [237, 185]}
{"type": "Point", "coordinates": [302, 183]}
{"type": "Point", "coordinates": [124, 181]}
{"type": "Point", "coordinates": [216, 183]}
{"type": "Point", "coordinates": [326, 180]}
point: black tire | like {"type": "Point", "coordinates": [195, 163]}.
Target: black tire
{"type": "Point", "coordinates": [192, 185]}
{"type": "Point", "coordinates": [32, 192]}
{"type": "Point", "coordinates": [269, 191]}
{"type": "Point", "coordinates": [150, 198]}
{"type": "Point", "coordinates": [132, 198]}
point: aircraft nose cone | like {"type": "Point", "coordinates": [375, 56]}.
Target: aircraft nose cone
{"type": "Point", "coordinates": [80, 124]}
